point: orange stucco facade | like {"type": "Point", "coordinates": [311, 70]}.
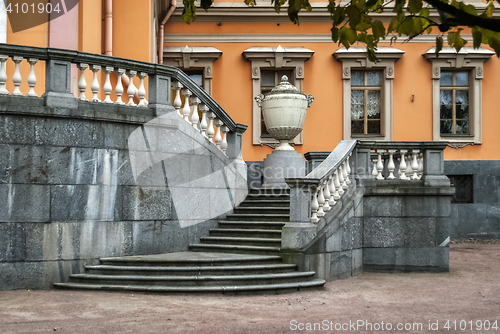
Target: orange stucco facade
{"type": "Point", "coordinates": [133, 37]}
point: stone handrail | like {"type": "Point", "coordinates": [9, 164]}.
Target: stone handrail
{"type": "Point", "coordinates": [320, 190]}
{"type": "Point", "coordinates": [407, 162]}
{"type": "Point", "coordinates": [57, 90]}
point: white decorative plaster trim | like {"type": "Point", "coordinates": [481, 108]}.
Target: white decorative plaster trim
{"type": "Point", "coordinates": [196, 57]}
{"type": "Point", "coordinates": [291, 58]}
{"type": "Point", "coordinates": [356, 58]}
{"type": "Point", "coordinates": [457, 145]}
{"type": "Point", "coordinates": [468, 59]}
{"type": "Point", "coordinates": [281, 38]}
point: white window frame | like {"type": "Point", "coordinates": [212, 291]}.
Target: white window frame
{"type": "Point", "coordinates": [275, 58]}
{"type": "Point", "coordinates": [470, 60]}
{"type": "Point", "coordinates": [193, 58]}
{"type": "Point", "coordinates": [355, 58]}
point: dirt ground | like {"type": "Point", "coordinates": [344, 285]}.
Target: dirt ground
{"type": "Point", "coordinates": [469, 292]}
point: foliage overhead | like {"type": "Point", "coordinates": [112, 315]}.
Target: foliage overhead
{"type": "Point", "coordinates": [356, 21]}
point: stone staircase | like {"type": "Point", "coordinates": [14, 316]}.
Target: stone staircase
{"type": "Point", "coordinates": [241, 255]}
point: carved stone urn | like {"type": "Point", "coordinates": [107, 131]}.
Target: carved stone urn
{"type": "Point", "coordinates": [284, 110]}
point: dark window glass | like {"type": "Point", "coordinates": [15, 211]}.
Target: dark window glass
{"type": "Point", "coordinates": [463, 188]}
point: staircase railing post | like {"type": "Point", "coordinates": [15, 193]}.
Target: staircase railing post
{"type": "Point", "coordinates": [433, 159]}
{"type": "Point", "coordinates": [235, 142]}
{"type": "Point", "coordinates": [58, 79]}
{"type": "Point", "coordinates": [159, 94]}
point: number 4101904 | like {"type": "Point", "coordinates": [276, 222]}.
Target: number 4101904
{"type": "Point", "coordinates": [471, 325]}
{"type": "Point", "coordinates": [25, 8]}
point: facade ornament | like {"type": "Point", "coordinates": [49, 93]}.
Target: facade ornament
{"type": "Point", "coordinates": [255, 71]}
{"type": "Point", "coordinates": [436, 71]}
{"type": "Point", "coordinates": [259, 98]}
{"type": "Point", "coordinates": [390, 71]}
{"type": "Point", "coordinates": [347, 72]}
{"type": "Point", "coordinates": [458, 145]}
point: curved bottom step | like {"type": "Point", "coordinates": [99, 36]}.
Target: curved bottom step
{"type": "Point", "coordinates": [238, 289]}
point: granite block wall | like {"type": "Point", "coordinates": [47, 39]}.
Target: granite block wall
{"type": "Point", "coordinates": [75, 186]}
{"type": "Point", "coordinates": [481, 218]}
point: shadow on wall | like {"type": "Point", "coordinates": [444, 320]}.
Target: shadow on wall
{"type": "Point", "coordinates": [168, 152]}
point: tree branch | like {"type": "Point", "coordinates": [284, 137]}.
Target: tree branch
{"type": "Point", "coordinates": [464, 18]}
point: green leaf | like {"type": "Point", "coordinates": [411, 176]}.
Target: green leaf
{"type": "Point", "coordinates": [354, 15]}
{"type": "Point", "coordinates": [189, 12]}
{"type": "Point", "coordinates": [335, 34]}
{"type": "Point", "coordinates": [395, 22]}
{"type": "Point", "coordinates": [378, 30]}
{"type": "Point", "coordinates": [455, 40]}
{"type": "Point", "coordinates": [469, 9]}
{"type": "Point", "coordinates": [205, 4]}
{"type": "Point", "coordinates": [424, 12]}
{"type": "Point", "coordinates": [495, 45]}
{"type": "Point", "coordinates": [406, 27]}
{"type": "Point", "coordinates": [398, 7]}
{"type": "Point", "coordinates": [439, 44]}
{"type": "Point", "coordinates": [414, 6]}
{"type": "Point", "coordinates": [365, 23]}
{"type": "Point", "coordinates": [490, 8]}
{"type": "Point", "coordinates": [250, 3]}
{"type": "Point", "coordinates": [477, 38]}
{"type": "Point", "coordinates": [351, 35]}
{"type": "Point", "coordinates": [371, 3]}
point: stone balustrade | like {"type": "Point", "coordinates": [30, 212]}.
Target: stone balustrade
{"type": "Point", "coordinates": [108, 82]}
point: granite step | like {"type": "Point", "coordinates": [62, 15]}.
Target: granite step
{"type": "Point", "coordinates": [186, 271]}
{"type": "Point", "coordinates": [237, 289]}
{"type": "Point", "coordinates": [253, 225]}
{"type": "Point", "coordinates": [194, 280]}
{"type": "Point", "coordinates": [263, 210]}
{"type": "Point", "coordinates": [261, 250]}
{"type": "Point", "coordinates": [269, 217]}
{"type": "Point", "coordinates": [190, 259]}
{"type": "Point", "coordinates": [245, 232]}
{"type": "Point", "coordinates": [274, 242]}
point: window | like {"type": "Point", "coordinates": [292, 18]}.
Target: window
{"type": "Point", "coordinates": [196, 61]}
{"type": "Point", "coordinates": [454, 103]}
{"type": "Point", "coordinates": [463, 188]}
{"type": "Point", "coordinates": [457, 95]}
{"type": "Point", "coordinates": [368, 92]}
{"type": "Point", "coordinates": [267, 64]}
{"type": "Point", "coordinates": [365, 102]}
{"type": "Point", "coordinates": [270, 79]}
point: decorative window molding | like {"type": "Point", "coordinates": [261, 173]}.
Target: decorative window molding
{"type": "Point", "coordinates": [291, 58]}
{"type": "Point", "coordinates": [193, 58]}
{"type": "Point", "coordinates": [355, 58]}
{"type": "Point", "coordinates": [468, 59]}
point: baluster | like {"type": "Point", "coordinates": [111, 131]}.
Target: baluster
{"type": "Point", "coordinates": [3, 75]}
{"type": "Point", "coordinates": [327, 195]}
{"type": "Point", "coordinates": [391, 166]}
{"type": "Point", "coordinates": [82, 83]}
{"type": "Point", "coordinates": [402, 165]}
{"type": "Point", "coordinates": [141, 93]}
{"type": "Point", "coordinates": [408, 167]}
{"type": "Point", "coordinates": [119, 86]}
{"type": "Point", "coordinates": [380, 165]}
{"type": "Point", "coordinates": [314, 207]}
{"type": "Point", "coordinates": [210, 129]}
{"type": "Point", "coordinates": [223, 145]}
{"type": "Point", "coordinates": [332, 190]}
{"type": "Point", "coordinates": [218, 137]}
{"type": "Point", "coordinates": [204, 123]}
{"type": "Point", "coordinates": [348, 165]}
{"type": "Point", "coordinates": [336, 183]}
{"type": "Point", "coordinates": [17, 78]}
{"type": "Point", "coordinates": [344, 174]}
{"type": "Point", "coordinates": [107, 88]}
{"type": "Point", "coordinates": [95, 83]}
{"type": "Point", "coordinates": [194, 117]}
{"type": "Point", "coordinates": [321, 201]}
{"type": "Point", "coordinates": [341, 180]}
{"type": "Point", "coordinates": [32, 77]}
{"type": "Point", "coordinates": [414, 164]}
{"type": "Point", "coordinates": [131, 89]}
{"type": "Point", "coordinates": [186, 110]}
{"type": "Point", "coordinates": [374, 170]}
{"type": "Point", "coordinates": [420, 171]}
{"type": "Point", "coordinates": [177, 86]}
